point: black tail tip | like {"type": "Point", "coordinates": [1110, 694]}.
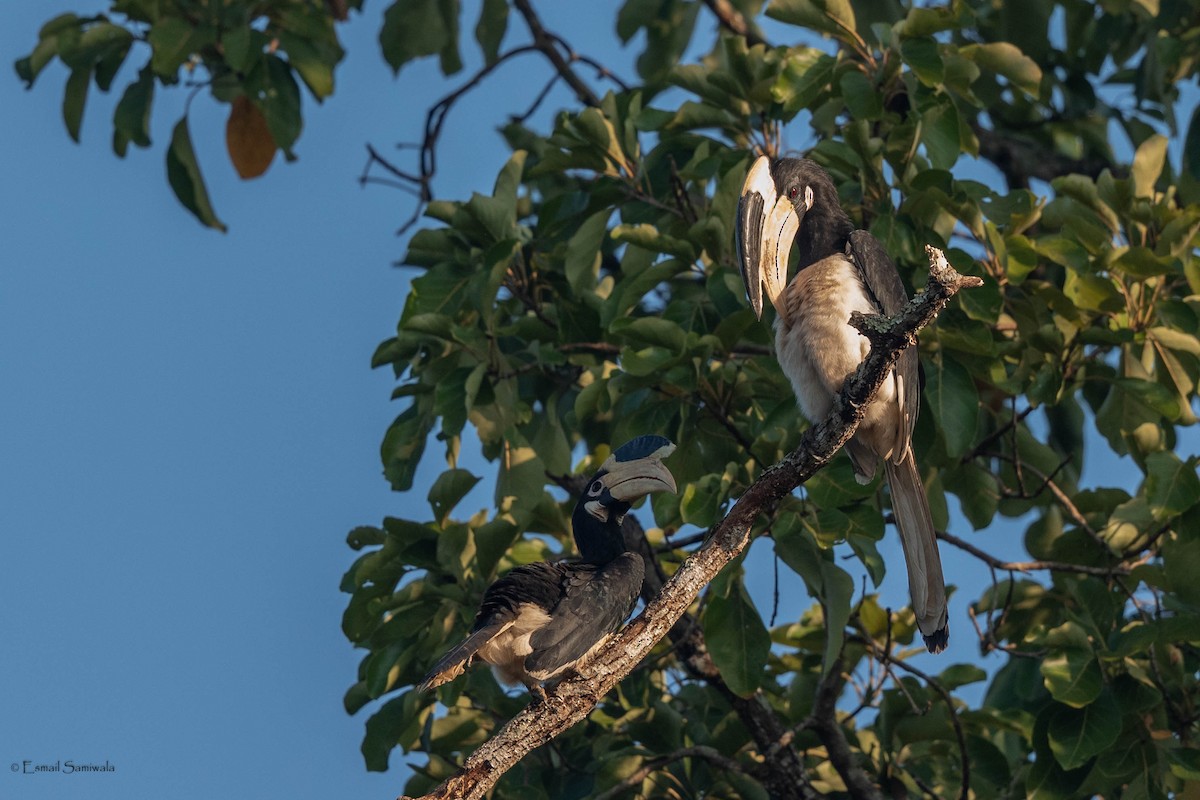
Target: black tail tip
{"type": "Point", "coordinates": [936, 642]}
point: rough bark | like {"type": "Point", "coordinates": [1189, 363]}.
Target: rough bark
{"type": "Point", "coordinates": [573, 699]}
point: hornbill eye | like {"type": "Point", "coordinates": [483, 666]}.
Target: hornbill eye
{"type": "Point", "coordinates": [792, 192]}
{"type": "Point", "coordinates": [595, 488]}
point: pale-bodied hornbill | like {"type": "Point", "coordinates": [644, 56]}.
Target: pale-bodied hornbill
{"type": "Point", "coordinates": [540, 620]}
{"type": "Point", "coordinates": [840, 270]}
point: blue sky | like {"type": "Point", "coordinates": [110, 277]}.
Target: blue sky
{"type": "Point", "coordinates": [191, 427]}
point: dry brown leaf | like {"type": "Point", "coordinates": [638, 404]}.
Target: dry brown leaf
{"type": "Point", "coordinates": [251, 146]}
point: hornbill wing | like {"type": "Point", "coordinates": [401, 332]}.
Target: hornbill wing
{"type": "Point", "coordinates": [596, 600]}
{"type": "Point", "coordinates": [926, 584]}
{"type": "Point", "coordinates": [451, 665]}
{"type": "Point", "coordinates": [510, 607]}
{"type": "Point", "coordinates": [882, 280]}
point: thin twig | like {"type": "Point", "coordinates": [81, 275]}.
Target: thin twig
{"type": "Point", "coordinates": [707, 753]}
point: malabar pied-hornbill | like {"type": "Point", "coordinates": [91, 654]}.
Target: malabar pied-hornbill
{"type": "Point", "coordinates": [840, 270]}
{"type": "Point", "coordinates": [540, 620]}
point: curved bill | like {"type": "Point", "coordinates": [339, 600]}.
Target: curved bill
{"type": "Point", "coordinates": [636, 469]}
{"type": "Point", "coordinates": [767, 224]}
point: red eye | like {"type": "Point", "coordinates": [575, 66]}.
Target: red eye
{"type": "Point", "coordinates": [792, 192]}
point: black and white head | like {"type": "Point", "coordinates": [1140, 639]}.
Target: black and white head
{"type": "Point", "coordinates": [634, 469]}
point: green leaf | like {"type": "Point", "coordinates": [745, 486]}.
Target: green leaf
{"type": "Point", "coordinates": [1006, 59]}
{"type": "Point", "coordinates": [952, 397]}
{"type": "Point", "coordinates": [737, 639]}
{"type": "Point", "coordinates": [977, 490]}
{"type": "Point", "coordinates": [649, 237]}
{"type": "Point", "coordinates": [412, 29]}
{"type": "Point", "coordinates": [74, 98]}
{"type": "Point", "coordinates": [1148, 164]}
{"type": "Point", "coordinates": [1171, 484]}
{"type": "Point", "coordinates": [279, 100]}
{"type": "Point", "coordinates": [806, 73]}
{"type": "Point", "coordinates": [654, 331]}
{"type": "Point", "coordinates": [924, 58]}
{"type": "Point", "coordinates": [957, 675]}
{"type": "Point", "coordinates": [449, 488]}
{"type": "Point", "coordinates": [1184, 762]}
{"type": "Point", "coordinates": [183, 173]}
{"type": "Point", "coordinates": [830, 16]}
{"type": "Point", "coordinates": [403, 445]}
{"type": "Point", "coordinates": [314, 66]}
{"type": "Point", "coordinates": [861, 96]}
{"type": "Point", "coordinates": [939, 133]}
{"type": "Point", "coordinates": [489, 31]}
{"type": "Point", "coordinates": [171, 40]}
{"type": "Point", "coordinates": [1077, 735]}
{"type": "Point", "coordinates": [131, 119]}
{"type": "Point", "coordinates": [1072, 674]}
{"type": "Point", "coordinates": [582, 263]}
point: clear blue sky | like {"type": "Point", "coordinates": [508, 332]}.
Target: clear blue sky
{"type": "Point", "coordinates": [191, 427]}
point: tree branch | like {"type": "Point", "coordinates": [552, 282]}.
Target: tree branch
{"type": "Point", "coordinates": [547, 43]}
{"type": "Point", "coordinates": [733, 20]}
{"type": "Point", "coordinates": [573, 699]}
{"type": "Point", "coordinates": [1031, 566]}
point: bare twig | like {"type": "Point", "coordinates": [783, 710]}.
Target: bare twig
{"type": "Point", "coordinates": [573, 699]}
{"type": "Point", "coordinates": [1031, 566]}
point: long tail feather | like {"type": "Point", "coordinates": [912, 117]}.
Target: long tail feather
{"type": "Point", "coordinates": [458, 659]}
{"type": "Point", "coordinates": [926, 585]}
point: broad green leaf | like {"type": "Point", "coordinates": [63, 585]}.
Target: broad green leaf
{"type": "Point", "coordinates": [958, 675]}
{"type": "Point", "coordinates": [861, 96]}
{"type": "Point", "coordinates": [737, 639]}
{"type": "Point", "coordinates": [651, 331]}
{"type": "Point", "coordinates": [403, 445]}
{"type": "Point", "coordinates": [1077, 735]}
{"type": "Point", "coordinates": [131, 120]}
{"type": "Point", "coordinates": [183, 173]}
{"type": "Point", "coordinates": [977, 490]}
{"type": "Point", "coordinates": [806, 73]}
{"type": "Point", "coordinates": [1171, 484]}
{"type": "Point", "coordinates": [279, 100]}
{"type": "Point", "coordinates": [1073, 675]}
{"type": "Point", "coordinates": [1006, 59]}
{"type": "Point", "coordinates": [74, 98]}
{"type": "Point", "coordinates": [832, 16]}
{"type": "Point", "coordinates": [923, 56]}
{"type": "Point", "coordinates": [412, 29]}
{"type": "Point", "coordinates": [951, 395]}
{"type": "Point", "coordinates": [582, 263]}
{"type": "Point", "coordinates": [835, 486]}
{"type": "Point", "coordinates": [649, 237]}
{"type": "Point", "coordinates": [172, 41]}
{"type": "Point", "coordinates": [1184, 762]}
{"type": "Point", "coordinates": [1148, 165]}
{"type": "Point", "coordinates": [939, 134]}
{"type": "Point", "coordinates": [314, 66]}
{"type": "Point", "coordinates": [489, 31]}
{"type": "Point", "coordinates": [450, 487]}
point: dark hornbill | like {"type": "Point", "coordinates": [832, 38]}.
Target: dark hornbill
{"type": "Point", "coordinates": [542, 619]}
{"type": "Point", "coordinates": [841, 270]}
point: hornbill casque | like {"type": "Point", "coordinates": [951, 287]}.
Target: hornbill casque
{"type": "Point", "coordinates": [840, 270]}
{"type": "Point", "coordinates": [541, 620]}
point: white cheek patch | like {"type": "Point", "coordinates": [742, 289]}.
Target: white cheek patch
{"type": "Point", "coordinates": [808, 197]}
{"type": "Point", "coordinates": [597, 510]}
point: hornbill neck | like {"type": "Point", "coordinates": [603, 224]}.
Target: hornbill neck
{"type": "Point", "coordinates": [598, 542]}
{"type": "Point", "coordinates": [825, 230]}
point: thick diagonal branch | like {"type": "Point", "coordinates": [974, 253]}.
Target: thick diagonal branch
{"type": "Point", "coordinates": [573, 699]}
